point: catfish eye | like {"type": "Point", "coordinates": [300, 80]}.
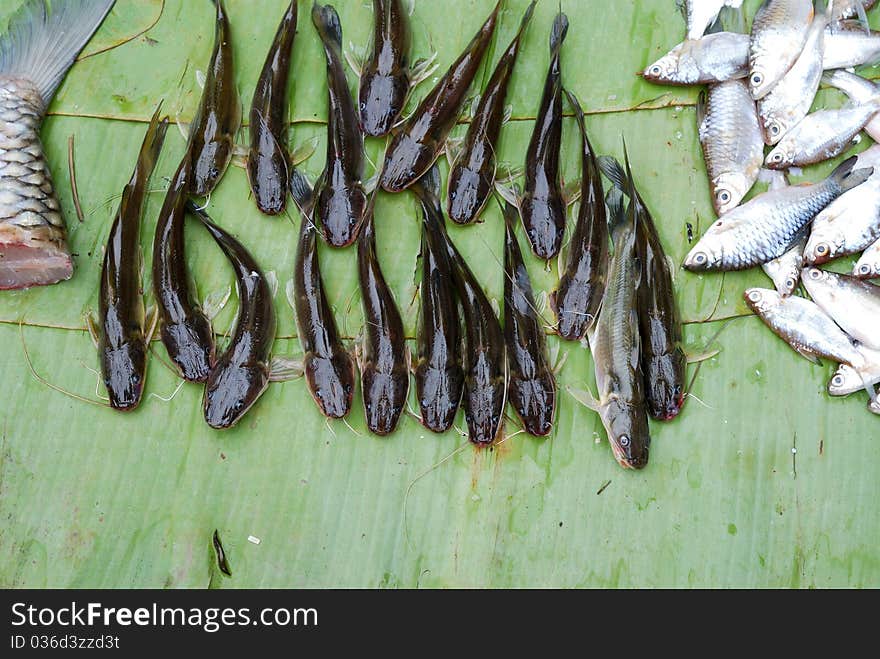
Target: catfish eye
{"type": "Point", "coordinates": [822, 249]}
{"type": "Point", "coordinates": [624, 441]}
{"type": "Point", "coordinates": [757, 79]}
{"type": "Point", "coordinates": [723, 196]}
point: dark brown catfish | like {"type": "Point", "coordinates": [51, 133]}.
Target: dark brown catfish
{"type": "Point", "coordinates": [439, 373]}
{"type": "Point", "coordinates": [383, 359]}
{"type": "Point", "coordinates": [542, 206]}
{"type": "Point", "coordinates": [664, 361]}
{"type": "Point", "coordinates": [417, 143]}
{"type": "Point", "coordinates": [576, 301]}
{"type": "Point", "coordinates": [386, 77]}
{"type": "Point", "coordinates": [329, 369]}
{"type": "Point", "coordinates": [532, 386]}
{"type": "Point", "coordinates": [340, 197]}
{"type": "Point", "coordinates": [122, 340]}
{"type": "Point", "coordinates": [241, 374]}
{"type": "Point", "coordinates": [472, 176]}
{"type": "Point", "coordinates": [212, 134]}
{"type": "Point", "coordinates": [485, 379]}
{"type": "Point", "coordinates": [267, 164]}
{"type": "Point", "coordinates": [185, 329]}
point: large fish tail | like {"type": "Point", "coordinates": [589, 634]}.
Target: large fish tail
{"type": "Point", "coordinates": [41, 43]}
{"type": "Point", "coordinates": [152, 145]}
{"type": "Point", "coordinates": [327, 22]}
{"type": "Point", "coordinates": [846, 177]}
{"type": "Point", "coordinates": [301, 191]}
{"type": "Point", "coordinates": [613, 170]}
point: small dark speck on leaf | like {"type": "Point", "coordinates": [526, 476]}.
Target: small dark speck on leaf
{"type": "Point", "coordinates": [604, 486]}
{"type": "Point", "coordinates": [821, 447]}
{"type": "Point", "coordinates": [222, 456]}
{"type": "Point", "coordinates": [119, 98]}
{"type": "Point", "coordinates": [560, 524]}
{"type": "Point", "coordinates": [150, 41]}
{"type": "Point", "coordinates": [222, 563]}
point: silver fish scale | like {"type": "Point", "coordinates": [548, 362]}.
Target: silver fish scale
{"type": "Point", "coordinates": [29, 208]}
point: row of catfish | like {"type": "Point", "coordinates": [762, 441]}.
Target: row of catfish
{"type": "Point", "coordinates": [761, 88]}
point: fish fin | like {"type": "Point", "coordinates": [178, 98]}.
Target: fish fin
{"type": "Point", "coordinates": [453, 148]}
{"type": "Point", "coordinates": [701, 108]}
{"type": "Point", "coordinates": [571, 192]}
{"type": "Point", "coordinates": [510, 172]}
{"type": "Point", "coordinates": [290, 293]}
{"type": "Point", "coordinates": [613, 171]}
{"type": "Point", "coordinates": [301, 191]}
{"type": "Point", "coordinates": [152, 144]}
{"type": "Point", "coordinates": [616, 211]}
{"type": "Point", "coordinates": [327, 22]}
{"type": "Point", "coordinates": [282, 369]}
{"type": "Point", "coordinates": [355, 57]}
{"type": "Point", "coordinates": [92, 327]}
{"type": "Point", "coordinates": [214, 303]}
{"type": "Point", "coordinates": [272, 282]}
{"type": "Point", "coordinates": [509, 193]}
{"type": "Point", "coordinates": [809, 355]}
{"type": "Point", "coordinates": [848, 178]}
{"type": "Point", "coordinates": [496, 306]}
{"type": "Point", "coordinates": [557, 34]}
{"type": "Point", "coordinates": [508, 113]}
{"type": "Point", "coordinates": [371, 183]}
{"type": "Point", "coordinates": [584, 397]}
{"type": "Point", "coordinates": [41, 42]}
{"type": "Point", "coordinates": [863, 17]}
{"type": "Point", "coordinates": [422, 69]}
{"type": "Point", "coordinates": [151, 321]}
{"type": "Point", "coordinates": [730, 19]}
{"type": "Point", "coordinates": [698, 357]}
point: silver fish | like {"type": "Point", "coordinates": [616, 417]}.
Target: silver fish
{"type": "Point", "coordinates": [765, 227]}
{"type": "Point", "coordinates": [844, 9]}
{"type": "Point", "coordinates": [714, 58]}
{"type": "Point", "coordinates": [779, 34]}
{"type": "Point", "coordinates": [852, 303]}
{"type": "Point", "coordinates": [874, 406]}
{"type": "Point", "coordinates": [36, 51]}
{"type": "Point", "coordinates": [702, 13]}
{"type": "Point", "coordinates": [868, 265]}
{"type": "Point", "coordinates": [848, 45]}
{"type": "Point", "coordinates": [847, 380]}
{"type": "Point", "coordinates": [789, 101]}
{"type": "Point", "coordinates": [785, 271]}
{"type": "Point", "coordinates": [805, 327]}
{"type": "Point", "coordinates": [851, 222]}
{"type": "Point", "coordinates": [860, 91]}
{"type": "Point", "coordinates": [732, 143]}
{"type": "Point", "coordinates": [615, 344]}
{"type": "Point", "coordinates": [821, 135]}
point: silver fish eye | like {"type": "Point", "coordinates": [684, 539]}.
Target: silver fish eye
{"type": "Point", "coordinates": [837, 380]}
{"type": "Point", "coordinates": [822, 249]}
{"type": "Point", "coordinates": [777, 157]}
{"type": "Point", "coordinates": [815, 273]}
{"type": "Point", "coordinates": [723, 196]}
{"type": "Point", "coordinates": [754, 296]}
{"type": "Point", "coordinates": [774, 129]}
{"type": "Point", "coordinates": [655, 70]}
{"type": "Point", "coordinates": [624, 441]}
{"type": "Point", "coordinates": [864, 269]}
{"type": "Point", "coordinates": [789, 283]}
{"type": "Point", "coordinates": [757, 78]}
{"type": "Point", "coordinates": [700, 258]}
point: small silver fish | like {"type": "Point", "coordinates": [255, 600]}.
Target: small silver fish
{"type": "Point", "coordinates": [821, 135]}
{"type": "Point", "coordinates": [785, 271]}
{"type": "Point", "coordinates": [868, 265]}
{"type": "Point", "coordinates": [789, 101]}
{"type": "Point", "coordinates": [702, 13]}
{"type": "Point", "coordinates": [713, 58]}
{"type": "Point", "coordinates": [852, 303]}
{"type": "Point", "coordinates": [765, 227]}
{"type": "Point", "coordinates": [859, 90]}
{"type": "Point", "coordinates": [847, 380]}
{"type": "Point", "coordinates": [732, 143]}
{"type": "Point", "coordinates": [852, 222]}
{"type": "Point", "coordinates": [848, 45]}
{"type": "Point", "coordinates": [779, 34]}
{"type": "Point", "coordinates": [39, 46]}
{"type": "Point", "coordinates": [804, 326]}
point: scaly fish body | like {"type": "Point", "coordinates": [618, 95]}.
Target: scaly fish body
{"type": "Point", "coordinates": [733, 147]}
{"type": "Point", "coordinates": [329, 369]}
{"type": "Point", "coordinates": [122, 340]}
{"type": "Point", "coordinates": [185, 329]}
{"type": "Point", "coordinates": [860, 91]}
{"type": "Point", "coordinates": [765, 227]}
{"type": "Point", "coordinates": [577, 298]}
{"type": "Point", "coordinates": [847, 380]}
{"type": "Point", "coordinates": [852, 303]}
{"type": "Point", "coordinates": [532, 385]}
{"type": "Point", "coordinates": [385, 80]}
{"type": "Point", "coordinates": [848, 45]}
{"type": "Point", "coordinates": [340, 196]}
{"type": "Point", "coordinates": [785, 271]}
{"type": "Point", "coordinates": [39, 46]}
{"type": "Point", "coordinates": [267, 164]}
{"type": "Point", "coordinates": [779, 35]}
{"type": "Point", "coordinates": [218, 118]}
{"type": "Point", "coordinates": [868, 265]}
{"type": "Point", "coordinates": [616, 346]}
{"type": "Point", "coordinates": [472, 175]}
{"type": "Point", "coordinates": [702, 13]}
{"type": "Point", "coordinates": [542, 206]}
{"type": "Point", "coordinates": [383, 358]}
{"type": "Point", "coordinates": [715, 57]}
{"type": "Point", "coordinates": [821, 135]}
{"type": "Point", "coordinates": [241, 373]}
{"type": "Point", "coordinates": [416, 144]}
{"type": "Point", "coordinates": [804, 326]}
{"type": "Point", "coordinates": [852, 222]}
{"type": "Point", "coordinates": [789, 101]}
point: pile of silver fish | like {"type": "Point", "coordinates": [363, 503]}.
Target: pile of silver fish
{"type": "Point", "coordinates": [615, 291]}
{"type": "Point", "coordinates": [760, 91]}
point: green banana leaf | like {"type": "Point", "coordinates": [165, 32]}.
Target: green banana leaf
{"type": "Point", "coordinates": [762, 481]}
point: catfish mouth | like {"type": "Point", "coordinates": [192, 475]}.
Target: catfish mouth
{"type": "Point", "coordinates": [230, 392]}
{"type": "Point", "coordinates": [331, 385]}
